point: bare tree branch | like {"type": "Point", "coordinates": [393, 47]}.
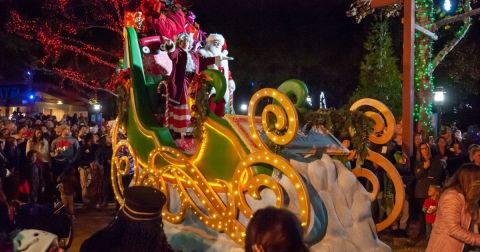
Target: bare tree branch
{"type": "Point", "coordinates": [454, 42]}
{"type": "Point", "coordinates": [453, 19]}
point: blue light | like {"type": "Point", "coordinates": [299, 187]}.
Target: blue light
{"type": "Point", "coordinates": [29, 73]}
{"type": "Point", "coordinates": [31, 96]}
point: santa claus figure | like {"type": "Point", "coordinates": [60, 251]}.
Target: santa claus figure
{"type": "Point", "coordinates": [185, 65]}
{"type": "Point", "coordinates": [216, 50]}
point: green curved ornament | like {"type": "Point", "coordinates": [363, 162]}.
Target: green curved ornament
{"type": "Point", "coordinates": [295, 88]}
{"type": "Point", "coordinates": [218, 82]}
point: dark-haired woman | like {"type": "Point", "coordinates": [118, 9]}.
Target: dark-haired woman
{"type": "Point", "coordinates": [458, 212]}
{"type": "Point", "coordinates": [274, 230]}
{"type": "Point", "coordinates": [429, 170]}
{"type": "Point", "coordinates": [39, 144]}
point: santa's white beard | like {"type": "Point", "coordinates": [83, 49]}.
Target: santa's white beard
{"type": "Point", "coordinates": [216, 51]}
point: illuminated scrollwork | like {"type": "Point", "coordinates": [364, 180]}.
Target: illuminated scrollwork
{"type": "Point", "coordinates": [285, 116]}
{"type": "Point", "coordinates": [246, 181]}
{"type": "Point", "coordinates": [382, 133]}
{"type": "Point", "coordinates": [219, 204]}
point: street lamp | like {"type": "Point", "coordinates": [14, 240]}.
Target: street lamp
{"type": "Point", "coordinates": [243, 107]}
{"type": "Point", "coordinates": [439, 98]}
{"type": "Point", "coordinates": [439, 95]}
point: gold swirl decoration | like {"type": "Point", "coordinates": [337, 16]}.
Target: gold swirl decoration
{"type": "Point", "coordinates": [382, 134]}
{"type": "Point", "coordinates": [219, 204]}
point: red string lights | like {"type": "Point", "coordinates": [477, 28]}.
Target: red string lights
{"type": "Point", "coordinates": [80, 40]}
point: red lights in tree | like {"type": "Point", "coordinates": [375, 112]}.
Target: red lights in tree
{"type": "Point", "coordinates": [80, 40]}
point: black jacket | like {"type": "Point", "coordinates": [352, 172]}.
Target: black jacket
{"type": "Point", "coordinates": [434, 175]}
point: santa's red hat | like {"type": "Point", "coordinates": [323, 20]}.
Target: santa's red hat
{"type": "Point", "coordinates": [217, 37]}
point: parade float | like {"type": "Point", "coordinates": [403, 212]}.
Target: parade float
{"type": "Point", "coordinates": [234, 166]}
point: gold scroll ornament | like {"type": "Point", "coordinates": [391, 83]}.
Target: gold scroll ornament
{"type": "Point", "coordinates": [382, 134]}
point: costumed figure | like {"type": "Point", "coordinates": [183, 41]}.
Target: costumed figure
{"type": "Point", "coordinates": [192, 27]}
{"type": "Point", "coordinates": [215, 56]}
{"type": "Point", "coordinates": [185, 66]}
{"type": "Point", "coordinates": [137, 227]}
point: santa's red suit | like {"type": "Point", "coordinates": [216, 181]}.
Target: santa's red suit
{"type": "Point", "coordinates": [210, 60]}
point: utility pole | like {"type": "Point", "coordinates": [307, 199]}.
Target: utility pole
{"type": "Point", "coordinates": [408, 69]}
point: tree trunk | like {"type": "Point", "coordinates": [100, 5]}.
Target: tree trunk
{"type": "Point", "coordinates": [423, 78]}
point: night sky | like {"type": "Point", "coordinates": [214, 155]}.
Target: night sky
{"type": "Point", "coordinates": [314, 41]}
{"type": "Point", "coordinates": [273, 41]}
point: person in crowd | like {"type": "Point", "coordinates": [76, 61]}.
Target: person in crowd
{"type": "Point", "coordinates": [447, 134]}
{"type": "Point", "coordinates": [23, 135]}
{"type": "Point", "coordinates": [476, 156]}
{"type": "Point", "coordinates": [10, 151]}
{"type": "Point", "coordinates": [67, 181]}
{"type": "Point", "coordinates": [50, 125]}
{"type": "Point", "coordinates": [36, 175]}
{"type": "Point", "coordinates": [458, 212]}
{"type": "Point", "coordinates": [274, 229]}
{"type": "Point", "coordinates": [103, 157]}
{"type": "Point", "coordinates": [74, 118]}
{"type": "Point", "coordinates": [428, 170]}
{"type": "Point", "coordinates": [96, 186]}
{"type": "Point", "coordinates": [418, 139]}
{"type": "Point", "coordinates": [64, 150]}
{"type": "Point", "coordinates": [456, 159]}
{"type": "Point", "coordinates": [137, 227]}
{"type": "Point", "coordinates": [442, 149]}
{"type": "Point", "coordinates": [6, 225]}
{"type": "Point", "coordinates": [431, 142]}
{"type": "Point", "coordinates": [82, 132]}
{"type": "Point", "coordinates": [400, 160]}
{"type": "Point", "coordinates": [86, 161]}
{"type": "Point", "coordinates": [430, 208]}
{"type": "Point", "coordinates": [471, 148]}
{"type": "Point", "coordinates": [458, 137]}
{"type": "Point", "coordinates": [40, 144]}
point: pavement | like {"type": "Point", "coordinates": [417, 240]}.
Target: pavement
{"type": "Point", "coordinates": [403, 244]}
{"type": "Point", "coordinates": [89, 221]}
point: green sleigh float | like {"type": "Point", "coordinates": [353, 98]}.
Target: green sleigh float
{"type": "Point", "coordinates": [230, 163]}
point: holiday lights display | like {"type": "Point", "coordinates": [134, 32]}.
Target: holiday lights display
{"type": "Point", "coordinates": [431, 17]}
{"type": "Point", "coordinates": [425, 62]}
{"type": "Point", "coordinates": [423, 57]}
{"type": "Point", "coordinates": [67, 31]}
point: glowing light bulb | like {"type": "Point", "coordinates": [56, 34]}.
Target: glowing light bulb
{"type": "Point", "coordinates": [447, 5]}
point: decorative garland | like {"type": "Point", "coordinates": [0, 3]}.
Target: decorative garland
{"type": "Point", "coordinates": [122, 85]}
{"type": "Point", "coordinates": [342, 123]}
{"type": "Point", "coordinates": [199, 92]}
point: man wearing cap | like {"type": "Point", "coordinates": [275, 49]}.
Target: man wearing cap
{"type": "Point", "coordinates": [64, 150]}
{"type": "Point", "coordinates": [215, 56]}
{"type": "Point", "coordinates": [137, 227]}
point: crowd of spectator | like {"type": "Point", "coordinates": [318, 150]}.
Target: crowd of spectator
{"type": "Point", "coordinates": [425, 176]}
{"type": "Point", "coordinates": [44, 159]}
